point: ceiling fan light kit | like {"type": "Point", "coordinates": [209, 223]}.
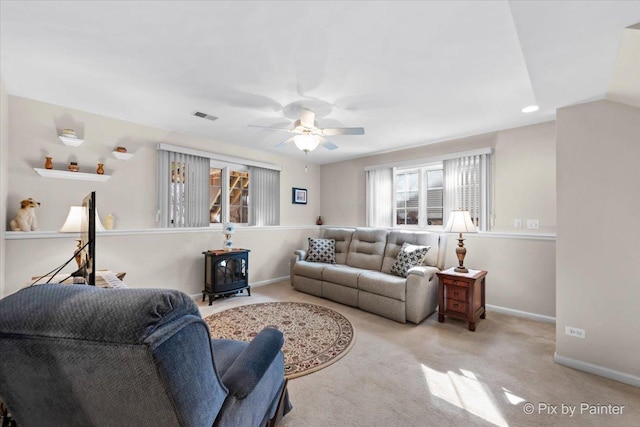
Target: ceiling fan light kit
{"type": "Point", "coordinates": [306, 142]}
{"type": "Point", "coordinates": [309, 135]}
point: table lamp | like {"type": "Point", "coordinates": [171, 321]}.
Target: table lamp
{"type": "Point", "coordinates": [73, 224]}
{"type": "Point", "coordinates": [460, 222]}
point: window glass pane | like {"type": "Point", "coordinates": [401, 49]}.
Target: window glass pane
{"type": "Point", "coordinates": [407, 198]}
{"type": "Point", "coordinates": [176, 193]}
{"type": "Point", "coordinates": [435, 197]}
{"type": "Point", "coordinates": [239, 197]}
{"type": "Point", "coordinates": [412, 216]}
{"type": "Point", "coordinates": [215, 195]}
{"type": "Point", "coordinates": [412, 181]}
{"type": "Point", "coordinates": [434, 178]}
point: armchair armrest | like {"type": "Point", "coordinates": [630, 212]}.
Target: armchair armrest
{"type": "Point", "coordinates": [249, 367]}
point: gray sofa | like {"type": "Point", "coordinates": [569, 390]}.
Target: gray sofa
{"type": "Point", "coordinates": [361, 275]}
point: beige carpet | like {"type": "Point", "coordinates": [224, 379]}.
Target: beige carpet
{"type": "Point", "coordinates": [443, 375]}
{"type": "Point", "coordinates": [314, 336]}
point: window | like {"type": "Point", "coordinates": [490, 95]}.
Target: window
{"type": "Point", "coordinates": [411, 208]}
{"type": "Point", "coordinates": [407, 198]}
{"type": "Point", "coordinates": [235, 195]}
{"type": "Point", "coordinates": [240, 193]}
{"type": "Point", "coordinates": [424, 192]}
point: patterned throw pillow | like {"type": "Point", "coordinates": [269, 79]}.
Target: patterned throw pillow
{"type": "Point", "coordinates": [409, 256]}
{"type": "Point", "coordinates": [322, 250]}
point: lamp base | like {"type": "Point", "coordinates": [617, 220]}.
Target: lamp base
{"type": "Point", "coordinates": [461, 251]}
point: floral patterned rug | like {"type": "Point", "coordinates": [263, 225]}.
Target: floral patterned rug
{"type": "Point", "coordinates": [314, 336]}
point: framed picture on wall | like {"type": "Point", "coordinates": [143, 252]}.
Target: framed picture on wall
{"type": "Point", "coordinates": [299, 196]}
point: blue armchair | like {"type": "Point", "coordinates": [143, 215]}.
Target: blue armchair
{"type": "Point", "coordinates": [76, 355]}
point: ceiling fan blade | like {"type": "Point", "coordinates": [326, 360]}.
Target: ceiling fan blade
{"type": "Point", "coordinates": [272, 128]}
{"type": "Point", "coordinates": [329, 145]}
{"type": "Point", "coordinates": [307, 119]}
{"type": "Point", "coordinates": [286, 141]}
{"type": "Point", "coordinates": [343, 131]}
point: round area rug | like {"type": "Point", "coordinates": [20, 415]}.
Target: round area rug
{"type": "Point", "coordinates": [314, 336]}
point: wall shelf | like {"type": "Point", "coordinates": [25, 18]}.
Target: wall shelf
{"type": "Point", "coordinates": [122, 156]}
{"type": "Point", "coordinates": [74, 142]}
{"type": "Point", "coordinates": [78, 176]}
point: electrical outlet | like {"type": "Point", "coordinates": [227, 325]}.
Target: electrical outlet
{"type": "Point", "coordinates": [575, 332]}
{"type": "Point", "coordinates": [533, 224]}
{"type": "Point", "coordinates": [517, 223]}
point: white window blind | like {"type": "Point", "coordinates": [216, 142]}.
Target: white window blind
{"type": "Point", "coordinates": [264, 190]}
{"type": "Point", "coordinates": [183, 189]}
{"type": "Point", "coordinates": [422, 192]}
{"type": "Point", "coordinates": [466, 187]}
{"type": "Point", "coordinates": [379, 194]}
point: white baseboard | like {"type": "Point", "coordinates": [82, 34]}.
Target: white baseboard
{"type": "Point", "coordinates": [623, 377]}
{"type": "Point", "coordinates": [253, 285]}
{"type": "Point", "coordinates": [518, 313]}
{"type": "Point", "coordinates": [270, 281]}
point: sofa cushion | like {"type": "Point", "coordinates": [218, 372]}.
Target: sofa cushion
{"type": "Point", "coordinates": [312, 270]}
{"type": "Point", "coordinates": [342, 236]}
{"type": "Point", "coordinates": [408, 257]}
{"type": "Point", "coordinates": [383, 284]}
{"type": "Point", "coordinates": [367, 248]}
{"type": "Point", "coordinates": [321, 250]}
{"type": "Point", "coordinates": [341, 274]}
{"type": "Point", "coordinates": [423, 238]}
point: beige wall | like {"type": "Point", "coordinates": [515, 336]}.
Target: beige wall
{"type": "Point", "coordinates": [162, 259]}
{"type": "Point", "coordinates": [524, 179]}
{"type": "Point", "coordinates": [4, 176]}
{"type": "Point", "coordinates": [597, 257]}
{"type": "Point", "coordinates": [130, 195]}
{"type": "Point", "coordinates": [521, 263]}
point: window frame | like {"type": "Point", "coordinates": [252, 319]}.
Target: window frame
{"type": "Point", "coordinates": [422, 198]}
{"type": "Point", "coordinates": [227, 168]}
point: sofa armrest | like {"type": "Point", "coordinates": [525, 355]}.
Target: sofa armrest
{"type": "Point", "coordinates": [250, 365]}
{"type": "Point", "coordinates": [422, 293]}
{"type": "Point", "coordinates": [299, 255]}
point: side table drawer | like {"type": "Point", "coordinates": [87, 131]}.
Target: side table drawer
{"type": "Point", "coordinates": [452, 282]}
{"type": "Point", "coordinates": [457, 293]}
{"type": "Point", "coordinates": [457, 306]}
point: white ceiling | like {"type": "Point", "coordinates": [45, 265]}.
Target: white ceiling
{"type": "Point", "coordinates": [409, 72]}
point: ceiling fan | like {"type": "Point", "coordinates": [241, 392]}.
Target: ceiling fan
{"type": "Point", "coordinates": [309, 135]}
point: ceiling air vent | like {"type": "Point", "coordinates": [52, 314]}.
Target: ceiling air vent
{"type": "Point", "coordinates": [205, 116]}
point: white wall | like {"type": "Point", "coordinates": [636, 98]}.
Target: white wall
{"type": "Point", "coordinates": [4, 176]}
{"type": "Point", "coordinates": [130, 194]}
{"type": "Point", "coordinates": [521, 267]}
{"type": "Point", "coordinates": [597, 256]}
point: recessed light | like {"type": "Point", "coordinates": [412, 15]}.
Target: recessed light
{"type": "Point", "coordinates": [530, 109]}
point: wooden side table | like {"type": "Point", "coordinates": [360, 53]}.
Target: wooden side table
{"type": "Point", "coordinates": [225, 273]}
{"type": "Point", "coordinates": [462, 295]}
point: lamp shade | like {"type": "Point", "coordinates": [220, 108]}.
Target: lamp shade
{"type": "Point", "coordinates": [73, 223]}
{"type": "Point", "coordinates": [306, 142]}
{"type": "Point", "coordinates": [460, 222]}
